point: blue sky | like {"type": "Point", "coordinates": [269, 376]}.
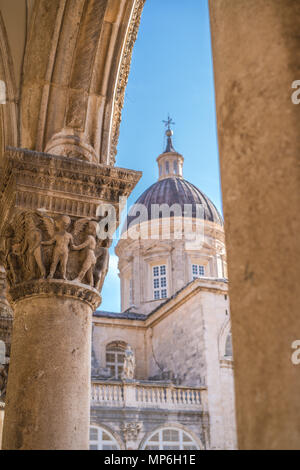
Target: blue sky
{"type": "Point", "coordinates": [171, 72]}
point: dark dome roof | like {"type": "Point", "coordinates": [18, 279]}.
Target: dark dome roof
{"type": "Point", "coordinates": [176, 190]}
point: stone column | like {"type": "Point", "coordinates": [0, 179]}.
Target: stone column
{"type": "Point", "coordinates": [55, 264]}
{"type": "Point", "coordinates": [256, 51]}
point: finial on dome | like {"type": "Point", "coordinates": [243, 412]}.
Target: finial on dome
{"type": "Point", "coordinates": [168, 123]}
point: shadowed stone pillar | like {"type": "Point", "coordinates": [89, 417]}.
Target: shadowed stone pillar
{"type": "Point", "coordinates": [256, 51]}
{"type": "Point", "coordinates": [55, 265]}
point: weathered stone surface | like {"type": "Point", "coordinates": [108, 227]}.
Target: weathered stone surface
{"type": "Point", "coordinates": [256, 51]}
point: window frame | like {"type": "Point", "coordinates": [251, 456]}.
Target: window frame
{"type": "Point", "coordinates": [116, 364]}
{"type": "Point", "coordinates": [198, 275]}
{"type": "Point", "coordinates": [159, 281]}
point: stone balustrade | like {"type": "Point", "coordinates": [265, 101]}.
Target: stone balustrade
{"type": "Point", "coordinates": [142, 395]}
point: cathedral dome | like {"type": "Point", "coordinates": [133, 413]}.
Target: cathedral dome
{"type": "Point", "coordinates": [176, 190]}
{"type": "Point", "coordinates": [171, 188]}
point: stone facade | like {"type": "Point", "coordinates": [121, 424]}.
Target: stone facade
{"type": "Point", "coordinates": [176, 318]}
{"type": "Point", "coordinates": [179, 349]}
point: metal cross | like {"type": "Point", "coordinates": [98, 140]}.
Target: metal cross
{"type": "Point", "coordinates": [169, 122]}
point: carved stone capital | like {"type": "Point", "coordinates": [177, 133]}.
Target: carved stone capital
{"type": "Point", "coordinates": [48, 223]}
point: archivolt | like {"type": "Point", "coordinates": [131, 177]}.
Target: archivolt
{"type": "Point", "coordinates": [75, 72]}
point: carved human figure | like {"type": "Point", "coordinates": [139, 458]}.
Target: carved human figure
{"type": "Point", "coordinates": [33, 242]}
{"type": "Point", "coordinates": [129, 364]}
{"type": "Point", "coordinates": [101, 268]}
{"type": "Point", "coordinates": [62, 241]}
{"type": "Point", "coordinates": [89, 247]}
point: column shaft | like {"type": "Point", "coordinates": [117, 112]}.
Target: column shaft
{"type": "Point", "coordinates": [48, 396]}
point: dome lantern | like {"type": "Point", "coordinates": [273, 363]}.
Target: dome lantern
{"type": "Point", "coordinates": [170, 162]}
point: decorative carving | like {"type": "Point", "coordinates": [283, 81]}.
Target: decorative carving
{"type": "Point", "coordinates": [48, 220]}
{"type": "Point", "coordinates": [3, 380]}
{"type": "Point", "coordinates": [129, 364]}
{"type": "Point", "coordinates": [25, 255]}
{"type": "Point", "coordinates": [131, 431]}
{"type": "Point", "coordinates": [123, 77]}
{"type": "Point", "coordinates": [89, 247]}
{"type": "Point", "coordinates": [57, 287]}
{"type": "Point", "coordinates": [60, 185]}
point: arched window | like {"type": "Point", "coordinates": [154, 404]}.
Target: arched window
{"type": "Point", "coordinates": [170, 439]}
{"type": "Point", "coordinates": [160, 282]}
{"type": "Point", "coordinates": [100, 439]}
{"type": "Point", "coordinates": [115, 354]}
{"type": "Point", "coordinates": [228, 346]}
{"type": "Point", "coordinates": [2, 352]}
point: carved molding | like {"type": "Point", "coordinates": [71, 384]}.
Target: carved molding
{"type": "Point", "coordinates": [123, 77]}
{"type": "Point", "coordinates": [131, 430]}
{"type": "Point", "coordinates": [55, 287]}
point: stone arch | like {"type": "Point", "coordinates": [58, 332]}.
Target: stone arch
{"type": "Point", "coordinates": [78, 55]}
{"type": "Point", "coordinates": [2, 352]}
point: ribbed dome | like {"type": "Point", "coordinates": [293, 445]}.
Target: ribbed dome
{"type": "Point", "coordinates": [176, 190]}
